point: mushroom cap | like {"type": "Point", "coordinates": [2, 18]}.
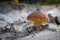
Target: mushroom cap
{"type": "Point", "coordinates": [21, 7]}
{"type": "Point", "coordinates": [38, 17]}
{"type": "Point", "coordinates": [16, 1]}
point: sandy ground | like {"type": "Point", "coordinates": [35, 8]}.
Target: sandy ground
{"type": "Point", "coordinates": [43, 35]}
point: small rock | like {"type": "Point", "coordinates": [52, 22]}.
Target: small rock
{"type": "Point", "coordinates": [57, 20]}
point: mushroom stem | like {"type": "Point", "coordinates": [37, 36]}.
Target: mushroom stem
{"type": "Point", "coordinates": [37, 24]}
{"type": "Point", "coordinates": [40, 25]}
{"type": "Point", "coordinates": [34, 26]}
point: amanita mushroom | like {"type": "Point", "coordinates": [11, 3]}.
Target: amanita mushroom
{"type": "Point", "coordinates": [38, 17]}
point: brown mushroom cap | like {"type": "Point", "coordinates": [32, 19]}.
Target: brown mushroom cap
{"type": "Point", "coordinates": [21, 7]}
{"type": "Point", "coordinates": [38, 17]}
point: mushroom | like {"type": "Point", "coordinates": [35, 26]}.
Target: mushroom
{"type": "Point", "coordinates": [16, 5]}
{"type": "Point", "coordinates": [21, 7]}
{"type": "Point", "coordinates": [38, 17]}
{"type": "Point", "coordinates": [16, 1]}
